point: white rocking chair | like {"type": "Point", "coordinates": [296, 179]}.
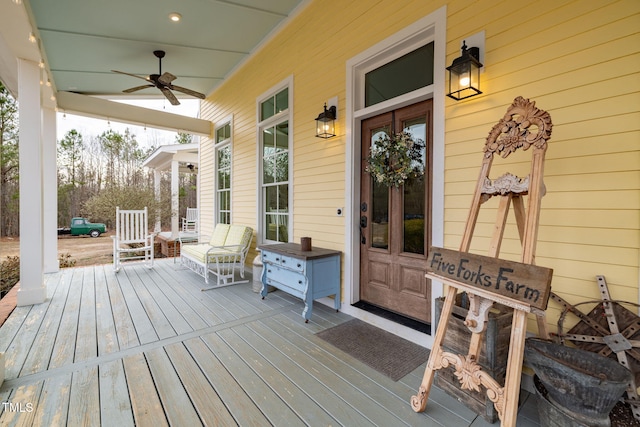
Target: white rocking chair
{"type": "Point", "coordinates": [190, 222]}
{"type": "Point", "coordinates": [132, 238]}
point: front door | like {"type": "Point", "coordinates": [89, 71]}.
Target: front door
{"type": "Point", "coordinates": [395, 222]}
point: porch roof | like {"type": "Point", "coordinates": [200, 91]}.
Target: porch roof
{"type": "Point", "coordinates": [147, 347]}
{"type": "Point", "coordinates": [162, 157]}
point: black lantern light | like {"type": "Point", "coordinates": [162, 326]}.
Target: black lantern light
{"type": "Point", "coordinates": [464, 74]}
{"type": "Point", "coordinates": [326, 123]}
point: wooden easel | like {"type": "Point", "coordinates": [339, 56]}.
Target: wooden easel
{"type": "Point", "coordinates": [523, 126]}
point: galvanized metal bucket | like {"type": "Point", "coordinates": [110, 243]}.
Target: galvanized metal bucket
{"type": "Point", "coordinates": [583, 384]}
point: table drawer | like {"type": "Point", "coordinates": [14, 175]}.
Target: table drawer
{"type": "Point", "coordinates": [292, 263]}
{"type": "Point", "coordinates": [289, 262]}
{"type": "Point", "coordinates": [285, 276]}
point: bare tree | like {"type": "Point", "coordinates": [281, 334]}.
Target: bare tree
{"type": "Point", "coordinates": [9, 187]}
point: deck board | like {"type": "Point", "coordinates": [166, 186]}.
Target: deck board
{"type": "Point", "coordinates": [171, 319]}
{"type": "Point", "coordinates": [23, 399]}
{"type": "Point", "coordinates": [84, 398]}
{"type": "Point", "coordinates": [143, 326]}
{"type": "Point", "coordinates": [178, 406]}
{"type": "Point", "coordinates": [295, 398]}
{"type": "Point", "coordinates": [86, 339]}
{"type": "Point", "coordinates": [274, 409]}
{"type": "Point", "coordinates": [40, 355]}
{"type": "Point", "coordinates": [126, 333]}
{"type": "Point", "coordinates": [154, 312]}
{"type": "Point", "coordinates": [65, 345]}
{"type": "Point", "coordinates": [324, 394]}
{"type": "Point", "coordinates": [105, 324]}
{"type": "Point", "coordinates": [53, 404]}
{"type": "Point", "coordinates": [345, 390]}
{"type": "Point", "coordinates": [147, 347]}
{"type": "Point", "coordinates": [354, 372]}
{"type": "Point", "coordinates": [206, 401]}
{"type": "Point", "coordinates": [115, 405]}
{"type": "Point", "coordinates": [145, 402]}
{"type": "Point", "coordinates": [18, 351]}
{"type": "Point", "coordinates": [240, 405]}
{"type": "Point", "coordinates": [180, 301]}
{"type": "Point", "coordinates": [191, 284]}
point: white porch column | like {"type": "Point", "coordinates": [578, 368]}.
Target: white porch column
{"type": "Point", "coordinates": [156, 187]}
{"type": "Point", "coordinates": [50, 189]}
{"type": "Point", "coordinates": [175, 199]}
{"type": "Point", "coordinates": [32, 289]}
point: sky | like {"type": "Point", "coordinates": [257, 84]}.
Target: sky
{"type": "Point", "coordinates": [148, 137]}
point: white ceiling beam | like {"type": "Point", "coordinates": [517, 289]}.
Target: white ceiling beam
{"type": "Point", "coordinates": [90, 106]}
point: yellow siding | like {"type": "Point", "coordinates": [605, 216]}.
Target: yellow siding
{"type": "Point", "coordinates": [578, 59]}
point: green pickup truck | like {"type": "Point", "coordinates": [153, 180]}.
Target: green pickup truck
{"type": "Point", "coordinates": [80, 227]}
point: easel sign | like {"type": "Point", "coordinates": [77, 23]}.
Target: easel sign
{"type": "Point", "coordinates": [524, 287]}
{"type": "Point", "coordinates": [525, 284]}
{"type": "Point", "coordinates": [488, 279]}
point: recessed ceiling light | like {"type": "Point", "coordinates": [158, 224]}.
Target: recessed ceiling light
{"type": "Point", "coordinates": [32, 37]}
{"type": "Point", "coordinates": [175, 16]}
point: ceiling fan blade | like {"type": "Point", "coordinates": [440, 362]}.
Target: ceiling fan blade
{"type": "Point", "coordinates": [170, 96]}
{"type": "Point", "coordinates": [134, 89]}
{"type": "Point", "coordinates": [132, 75]}
{"type": "Point", "coordinates": [188, 91]}
{"type": "Point", "coordinates": [166, 78]}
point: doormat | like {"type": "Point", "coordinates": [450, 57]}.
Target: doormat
{"type": "Point", "coordinates": [388, 354]}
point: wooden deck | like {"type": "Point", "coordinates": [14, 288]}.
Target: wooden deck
{"type": "Point", "coordinates": [146, 347]}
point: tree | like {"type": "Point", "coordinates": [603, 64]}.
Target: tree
{"type": "Point", "coordinates": [9, 188]}
{"type": "Point", "coordinates": [70, 149]}
{"type": "Point", "coordinates": [183, 138]}
{"type": "Point", "coordinates": [102, 207]}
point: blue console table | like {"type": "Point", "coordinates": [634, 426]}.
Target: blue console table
{"type": "Point", "coordinates": [307, 275]}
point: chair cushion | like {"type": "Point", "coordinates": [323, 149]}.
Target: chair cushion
{"type": "Point", "coordinates": [219, 235]}
{"type": "Point", "coordinates": [199, 252]}
{"type": "Point", "coordinates": [238, 236]}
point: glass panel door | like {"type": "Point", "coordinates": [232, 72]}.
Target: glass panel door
{"type": "Point", "coordinates": [414, 193]}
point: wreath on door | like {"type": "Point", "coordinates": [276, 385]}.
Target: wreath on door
{"type": "Point", "coordinates": [395, 159]}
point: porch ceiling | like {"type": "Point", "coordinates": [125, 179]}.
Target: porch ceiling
{"type": "Point", "coordinates": [81, 42]}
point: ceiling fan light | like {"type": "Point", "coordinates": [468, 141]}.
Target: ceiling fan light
{"type": "Point", "coordinates": [175, 16]}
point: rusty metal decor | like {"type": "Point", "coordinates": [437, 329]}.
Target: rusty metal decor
{"type": "Point", "coordinates": [610, 330]}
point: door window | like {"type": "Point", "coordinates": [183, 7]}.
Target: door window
{"type": "Point", "coordinates": [414, 195]}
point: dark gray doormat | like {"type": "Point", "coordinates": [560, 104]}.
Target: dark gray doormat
{"type": "Point", "coordinates": [388, 354]}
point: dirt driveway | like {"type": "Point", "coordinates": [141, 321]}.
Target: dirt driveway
{"type": "Point", "coordinates": [84, 249]}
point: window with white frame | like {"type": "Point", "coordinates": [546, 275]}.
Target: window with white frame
{"type": "Point", "coordinates": [274, 119]}
{"type": "Point", "coordinates": [223, 171]}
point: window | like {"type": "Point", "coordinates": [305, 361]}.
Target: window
{"type": "Point", "coordinates": [223, 171]}
{"type": "Point", "coordinates": [275, 166]}
{"type": "Point", "coordinates": [403, 75]}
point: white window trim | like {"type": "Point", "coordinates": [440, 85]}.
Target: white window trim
{"type": "Point", "coordinates": [272, 121]}
{"type": "Point", "coordinates": [216, 146]}
{"type": "Point", "coordinates": [430, 28]}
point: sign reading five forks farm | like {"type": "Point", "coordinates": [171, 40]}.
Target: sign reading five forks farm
{"type": "Point", "coordinates": [525, 283]}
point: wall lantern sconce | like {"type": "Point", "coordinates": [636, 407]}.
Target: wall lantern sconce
{"type": "Point", "coordinates": [464, 74]}
{"type": "Point", "coordinates": [326, 123]}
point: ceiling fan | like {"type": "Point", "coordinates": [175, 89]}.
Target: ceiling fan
{"type": "Point", "coordinates": [161, 81]}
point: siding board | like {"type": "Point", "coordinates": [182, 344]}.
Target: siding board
{"type": "Point", "coordinates": [577, 59]}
